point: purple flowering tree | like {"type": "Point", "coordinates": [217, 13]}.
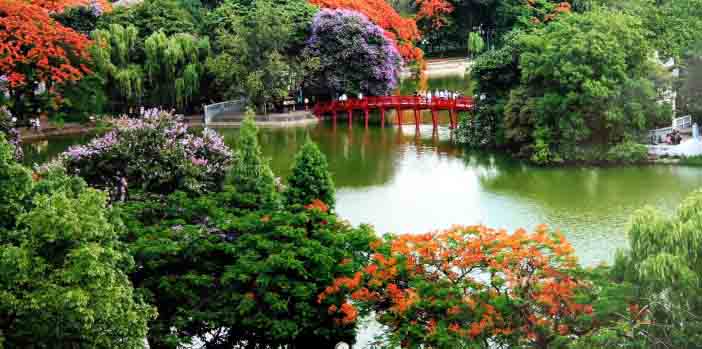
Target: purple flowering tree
{"type": "Point", "coordinates": [353, 54]}
{"type": "Point", "coordinates": [155, 154]}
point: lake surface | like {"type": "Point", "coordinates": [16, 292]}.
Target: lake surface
{"type": "Point", "coordinates": [403, 181]}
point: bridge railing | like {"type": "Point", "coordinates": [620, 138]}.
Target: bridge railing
{"type": "Point", "coordinates": [407, 102]}
{"type": "Point", "coordinates": [217, 109]}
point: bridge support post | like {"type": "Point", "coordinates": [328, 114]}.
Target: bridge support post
{"type": "Point", "coordinates": [454, 119]}
{"type": "Point", "coordinates": [416, 118]}
{"type": "Point", "coordinates": [382, 117]}
{"type": "Point", "coordinates": [399, 116]}
{"type": "Point", "coordinates": [350, 117]}
{"type": "Point", "coordinates": [365, 115]}
{"type": "Point", "coordinates": [434, 118]}
{"type": "Point", "coordinates": [334, 117]}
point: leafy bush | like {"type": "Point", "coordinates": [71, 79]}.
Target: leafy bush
{"type": "Point", "coordinates": [155, 154]}
{"type": "Point", "coordinates": [468, 286]}
{"type": "Point", "coordinates": [628, 152]}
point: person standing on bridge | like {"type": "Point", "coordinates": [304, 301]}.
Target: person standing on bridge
{"type": "Point", "coordinates": [360, 95]}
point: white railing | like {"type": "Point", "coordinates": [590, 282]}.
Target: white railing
{"type": "Point", "coordinates": [658, 135]}
{"type": "Point", "coordinates": [682, 122]}
{"type": "Point", "coordinates": [218, 109]}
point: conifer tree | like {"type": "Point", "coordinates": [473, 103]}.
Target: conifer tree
{"type": "Point", "coordinates": [310, 179]}
{"type": "Point", "coordinates": [251, 174]}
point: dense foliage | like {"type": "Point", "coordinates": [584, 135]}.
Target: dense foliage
{"type": "Point", "coordinates": [574, 92]}
{"type": "Point", "coordinates": [258, 49]}
{"type": "Point", "coordinates": [354, 56]}
{"type": "Point", "coordinates": [156, 154]}
{"type": "Point", "coordinates": [62, 277]}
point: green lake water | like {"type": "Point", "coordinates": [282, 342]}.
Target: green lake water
{"type": "Point", "coordinates": [403, 181]}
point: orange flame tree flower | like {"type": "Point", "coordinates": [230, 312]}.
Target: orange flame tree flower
{"type": "Point", "coordinates": [36, 49]}
{"type": "Point", "coordinates": [470, 285]}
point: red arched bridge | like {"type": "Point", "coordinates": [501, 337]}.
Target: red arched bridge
{"type": "Point", "coordinates": [399, 103]}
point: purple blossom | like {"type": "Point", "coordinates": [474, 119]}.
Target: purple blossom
{"type": "Point", "coordinates": [95, 8]}
{"type": "Point", "coordinates": [355, 54]}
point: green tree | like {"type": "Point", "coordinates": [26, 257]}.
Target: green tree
{"type": "Point", "coordinates": [475, 44]}
{"type": "Point", "coordinates": [62, 281]}
{"type": "Point", "coordinates": [152, 16]}
{"type": "Point", "coordinates": [665, 268]}
{"type": "Point", "coordinates": [257, 46]}
{"type": "Point", "coordinates": [586, 79]}
{"type": "Point", "coordinates": [163, 71]}
{"type": "Point", "coordinates": [15, 185]}
{"type": "Point", "coordinates": [310, 179]}
{"type": "Point", "coordinates": [690, 92]}
{"type": "Point", "coordinates": [251, 174]}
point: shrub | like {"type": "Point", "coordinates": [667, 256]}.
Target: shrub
{"type": "Point", "coordinates": [156, 154]}
{"type": "Point", "coordinates": [310, 179]}
{"type": "Point", "coordinates": [465, 287]}
{"type": "Point", "coordinates": [628, 152]}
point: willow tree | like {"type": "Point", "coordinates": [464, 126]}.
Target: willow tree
{"type": "Point", "coordinates": [174, 65]}
{"type": "Point", "coordinates": [113, 53]}
{"type": "Point", "coordinates": [164, 71]}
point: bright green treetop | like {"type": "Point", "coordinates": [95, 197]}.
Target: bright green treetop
{"type": "Point", "coordinates": [310, 178]}
{"type": "Point", "coordinates": [62, 279]}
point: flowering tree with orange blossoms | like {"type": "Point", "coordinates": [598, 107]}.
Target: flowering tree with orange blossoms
{"type": "Point", "coordinates": [35, 49]}
{"type": "Point", "coordinates": [469, 286]}
{"type": "Point", "coordinates": [434, 11]}
{"type": "Point", "coordinates": [60, 5]}
{"type": "Point", "coordinates": [403, 31]}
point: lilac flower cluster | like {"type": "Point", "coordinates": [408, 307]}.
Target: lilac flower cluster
{"type": "Point", "coordinates": [156, 148]}
{"type": "Point", "coordinates": [96, 9]}
{"type": "Point", "coordinates": [7, 126]}
{"type": "Point", "coordinates": [354, 53]}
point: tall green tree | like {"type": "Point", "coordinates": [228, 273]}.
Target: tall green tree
{"type": "Point", "coordinates": [310, 179]}
{"type": "Point", "coordinates": [251, 174]}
